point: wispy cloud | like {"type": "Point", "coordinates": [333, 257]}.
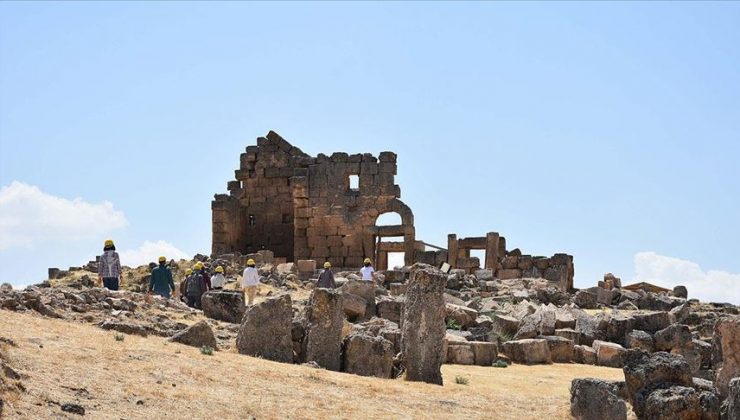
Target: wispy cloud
{"type": "Point", "coordinates": [711, 285]}
{"type": "Point", "coordinates": [149, 252]}
{"type": "Point", "coordinates": [29, 216]}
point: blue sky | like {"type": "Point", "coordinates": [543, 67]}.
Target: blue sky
{"type": "Point", "coordinates": [610, 131]}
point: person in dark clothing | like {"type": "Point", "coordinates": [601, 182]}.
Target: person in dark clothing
{"type": "Point", "coordinates": [197, 284]}
{"type": "Point", "coordinates": [326, 278]}
{"type": "Point", "coordinates": [160, 281]}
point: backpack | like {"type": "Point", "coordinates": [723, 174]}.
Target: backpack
{"type": "Point", "coordinates": [194, 286]}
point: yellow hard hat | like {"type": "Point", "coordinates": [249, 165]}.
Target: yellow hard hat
{"type": "Point", "coordinates": [188, 272]}
{"type": "Point", "coordinates": [219, 269]}
{"type": "Point", "coordinates": [198, 266]}
{"type": "Point", "coordinates": [250, 262]}
{"type": "Point", "coordinates": [327, 264]}
{"type": "Point", "coordinates": [162, 259]}
{"type": "Point", "coordinates": [367, 261]}
{"type": "Point", "coordinates": [109, 242]}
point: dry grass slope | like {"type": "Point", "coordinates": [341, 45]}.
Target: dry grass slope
{"type": "Point", "coordinates": [141, 378]}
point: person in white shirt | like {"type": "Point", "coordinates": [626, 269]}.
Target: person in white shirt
{"type": "Point", "coordinates": [250, 281]}
{"type": "Point", "coordinates": [368, 272]}
{"type": "Point", "coordinates": [218, 280]}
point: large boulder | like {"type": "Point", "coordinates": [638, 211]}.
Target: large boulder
{"type": "Point", "coordinates": [618, 327]}
{"type": "Point", "coordinates": [354, 306]}
{"type": "Point", "coordinates": [324, 321]}
{"type": "Point", "coordinates": [644, 373]}
{"type": "Point", "coordinates": [674, 403]}
{"type": "Point", "coordinates": [266, 330]}
{"type": "Point", "coordinates": [674, 336]}
{"type": "Point", "coordinates": [390, 309]}
{"type": "Point", "coordinates": [528, 351]}
{"type": "Point", "coordinates": [731, 406]}
{"type": "Point", "coordinates": [462, 315]}
{"type": "Point", "coordinates": [726, 352]}
{"type": "Point", "coordinates": [423, 326]}
{"type": "Point", "coordinates": [366, 355]}
{"type": "Point", "coordinates": [591, 327]}
{"type": "Point", "coordinates": [584, 355]}
{"type": "Point", "coordinates": [224, 305]}
{"type": "Point", "coordinates": [637, 339]}
{"type": "Point", "coordinates": [561, 349]}
{"type": "Point", "coordinates": [651, 321]}
{"type": "Point", "coordinates": [585, 299]}
{"type": "Point", "coordinates": [594, 399]}
{"type": "Point", "coordinates": [485, 353]}
{"type": "Point", "coordinates": [609, 354]}
{"type": "Point", "coordinates": [460, 353]}
{"type": "Point", "coordinates": [365, 290]}
{"type": "Point", "coordinates": [197, 335]}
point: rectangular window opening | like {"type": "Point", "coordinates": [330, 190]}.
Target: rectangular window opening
{"type": "Point", "coordinates": [354, 182]}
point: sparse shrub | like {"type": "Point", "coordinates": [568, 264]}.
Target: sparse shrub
{"type": "Point", "coordinates": [500, 363]}
{"type": "Point", "coordinates": [504, 337]}
{"type": "Point", "coordinates": [119, 336]}
{"type": "Point", "coordinates": [461, 380]}
{"type": "Point", "coordinates": [453, 325]}
{"type": "Point", "coordinates": [207, 350]}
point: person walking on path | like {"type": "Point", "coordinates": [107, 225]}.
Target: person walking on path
{"type": "Point", "coordinates": [160, 281]}
{"type": "Point", "coordinates": [183, 284]}
{"type": "Point", "coordinates": [368, 272]}
{"type": "Point", "coordinates": [201, 270]}
{"type": "Point", "coordinates": [250, 281]}
{"type": "Point", "coordinates": [326, 278]}
{"type": "Point", "coordinates": [109, 268]}
{"type": "Point", "coordinates": [195, 286]}
{"type": "Point", "coordinates": [218, 280]}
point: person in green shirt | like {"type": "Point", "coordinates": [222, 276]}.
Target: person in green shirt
{"type": "Point", "coordinates": [160, 282]}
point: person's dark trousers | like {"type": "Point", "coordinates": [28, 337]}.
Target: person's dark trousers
{"type": "Point", "coordinates": [110, 283]}
{"type": "Point", "coordinates": [194, 302]}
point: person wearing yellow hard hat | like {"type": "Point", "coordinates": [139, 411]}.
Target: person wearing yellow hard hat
{"type": "Point", "coordinates": [326, 278]}
{"type": "Point", "coordinates": [160, 281]}
{"type": "Point", "coordinates": [197, 284]}
{"type": "Point", "coordinates": [109, 268]}
{"type": "Point", "coordinates": [218, 280]}
{"type": "Point", "coordinates": [250, 281]}
{"type": "Point", "coordinates": [367, 271]}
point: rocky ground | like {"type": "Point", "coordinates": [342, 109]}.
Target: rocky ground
{"type": "Point", "coordinates": [673, 352]}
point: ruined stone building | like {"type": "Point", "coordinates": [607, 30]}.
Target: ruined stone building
{"type": "Point", "coordinates": [326, 208]}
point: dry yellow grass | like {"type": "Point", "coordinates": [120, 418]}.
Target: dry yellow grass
{"type": "Point", "coordinates": [151, 378]}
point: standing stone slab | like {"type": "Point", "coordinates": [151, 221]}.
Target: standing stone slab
{"type": "Point", "coordinates": [726, 352]}
{"type": "Point", "coordinates": [266, 330]}
{"type": "Point", "coordinates": [325, 317]}
{"type": "Point", "coordinates": [423, 329]}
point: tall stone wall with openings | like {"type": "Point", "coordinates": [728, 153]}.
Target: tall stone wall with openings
{"type": "Point", "coordinates": [304, 207]}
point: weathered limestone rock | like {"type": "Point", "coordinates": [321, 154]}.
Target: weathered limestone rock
{"type": "Point", "coordinates": [224, 305]}
{"type": "Point", "coordinates": [618, 327]}
{"type": "Point", "coordinates": [354, 306]}
{"type": "Point", "coordinates": [485, 353]}
{"type": "Point", "coordinates": [197, 335]}
{"type": "Point", "coordinates": [591, 328]}
{"type": "Point", "coordinates": [726, 352]}
{"type": "Point", "coordinates": [462, 315]}
{"type": "Point", "coordinates": [584, 355]}
{"type": "Point", "coordinates": [265, 330]}
{"type": "Point", "coordinates": [460, 353]}
{"type": "Point", "coordinates": [651, 321]}
{"type": "Point", "coordinates": [561, 349]}
{"type": "Point", "coordinates": [731, 406]}
{"type": "Point", "coordinates": [368, 356]}
{"type": "Point", "coordinates": [423, 329]}
{"type": "Point", "coordinates": [594, 399]}
{"type": "Point", "coordinates": [124, 327]}
{"type": "Point", "coordinates": [609, 354]}
{"type": "Point", "coordinates": [585, 299]}
{"type": "Point", "coordinates": [569, 334]}
{"type": "Point", "coordinates": [390, 309]}
{"type": "Point", "coordinates": [324, 320]}
{"type": "Point", "coordinates": [528, 351]}
{"type": "Point", "coordinates": [638, 339]}
{"type": "Point", "coordinates": [643, 373]}
{"type": "Point", "coordinates": [674, 336]}
{"type": "Point", "coordinates": [364, 289]}
{"type": "Point", "coordinates": [676, 402]}
{"type": "Point", "coordinates": [680, 292]}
